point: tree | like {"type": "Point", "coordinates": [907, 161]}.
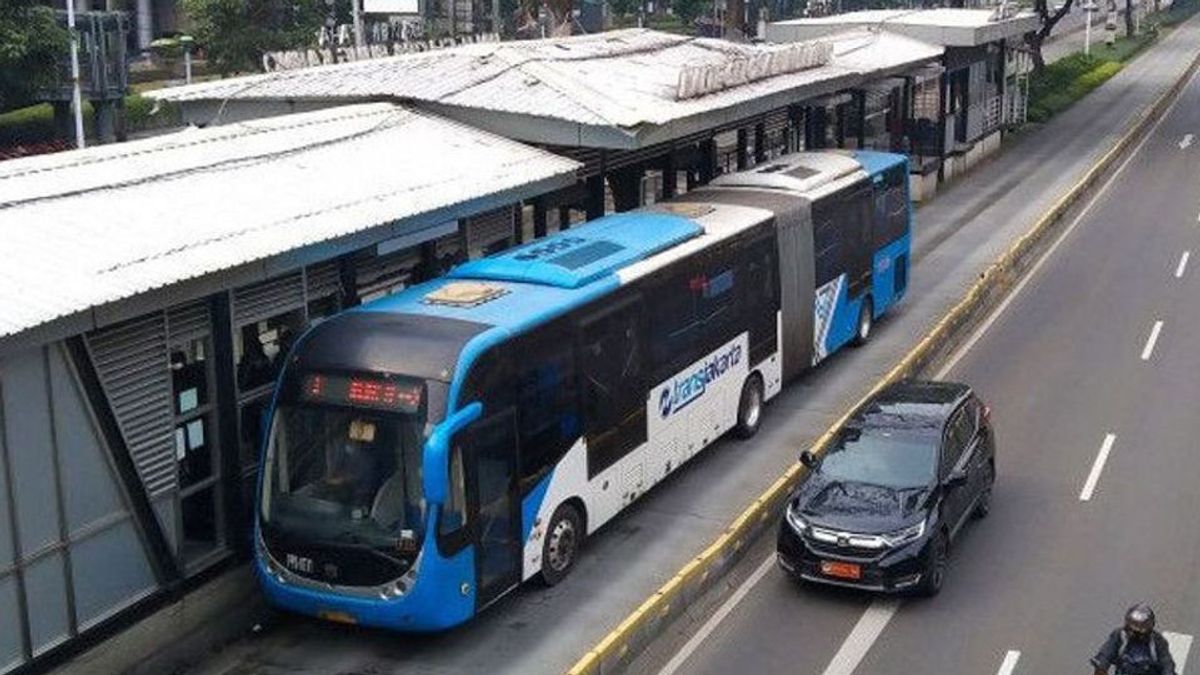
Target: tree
{"type": "Point", "coordinates": [1128, 18]}
{"type": "Point", "coordinates": [236, 33]}
{"type": "Point", "coordinates": [31, 45]}
{"type": "Point", "coordinates": [1049, 19]}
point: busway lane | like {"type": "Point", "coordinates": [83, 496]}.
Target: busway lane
{"type": "Point", "coordinates": [1061, 368]}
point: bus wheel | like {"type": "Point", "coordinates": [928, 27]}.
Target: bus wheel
{"type": "Point", "coordinates": [865, 323]}
{"type": "Point", "coordinates": [561, 545]}
{"type": "Point", "coordinates": [750, 407]}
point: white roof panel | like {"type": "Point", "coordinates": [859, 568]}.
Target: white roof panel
{"type": "Point", "coordinates": [947, 26]}
{"type": "Point", "coordinates": [620, 80]}
{"type": "Point", "coordinates": [90, 227]}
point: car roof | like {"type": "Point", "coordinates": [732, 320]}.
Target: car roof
{"type": "Point", "coordinates": [912, 404]}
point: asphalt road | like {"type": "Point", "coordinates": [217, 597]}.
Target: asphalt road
{"type": "Point", "coordinates": [537, 630]}
{"type": "Point", "coordinates": [1070, 361]}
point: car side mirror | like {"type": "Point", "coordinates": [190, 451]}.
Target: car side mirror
{"type": "Point", "coordinates": [808, 459]}
{"type": "Point", "coordinates": [957, 478]}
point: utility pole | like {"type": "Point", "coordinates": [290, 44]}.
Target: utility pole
{"type": "Point", "coordinates": [76, 95]}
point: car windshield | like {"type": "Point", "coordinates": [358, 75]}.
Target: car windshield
{"type": "Point", "coordinates": [346, 476]}
{"type": "Point", "coordinates": [894, 459]}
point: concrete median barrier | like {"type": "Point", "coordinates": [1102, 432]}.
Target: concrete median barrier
{"type": "Point", "coordinates": [622, 645]}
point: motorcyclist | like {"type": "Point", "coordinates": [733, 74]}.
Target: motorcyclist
{"type": "Point", "coordinates": [1136, 648]}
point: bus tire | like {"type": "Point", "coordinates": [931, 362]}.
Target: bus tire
{"type": "Point", "coordinates": [750, 407]}
{"type": "Point", "coordinates": [560, 548]}
{"type": "Point", "coordinates": [866, 321]}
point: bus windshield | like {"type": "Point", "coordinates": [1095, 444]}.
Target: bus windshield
{"type": "Point", "coordinates": [343, 476]}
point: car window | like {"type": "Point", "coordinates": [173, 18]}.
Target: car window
{"type": "Point", "coordinates": [958, 434]}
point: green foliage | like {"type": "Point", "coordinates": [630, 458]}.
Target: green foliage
{"type": "Point", "coordinates": [1065, 82]}
{"type": "Point", "coordinates": [35, 124]}
{"type": "Point", "coordinates": [688, 10]}
{"type": "Point", "coordinates": [31, 44]}
{"type": "Point", "coordinates": [624, 7]}
{"type": "Point", "coordinates": [1069, 79]}
{"type": "Point", "coordinates": [236, 33]}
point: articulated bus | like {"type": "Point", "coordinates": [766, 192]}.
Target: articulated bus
{"type": "Point", "coordinates": [429, 451]}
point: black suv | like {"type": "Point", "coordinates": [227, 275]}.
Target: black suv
{"type": "Point", "coordinates": [879, 508]}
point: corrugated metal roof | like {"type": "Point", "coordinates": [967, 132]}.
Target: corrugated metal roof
{"type": "Point", "coordinates": [90, 227]}
{"type": "Point", "coordinates": [622, 79]}
{"type": "Point", "coordinates": [950, 26]}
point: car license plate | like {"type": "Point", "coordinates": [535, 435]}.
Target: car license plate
{"type": "Point", "coordinates": [337, 617]}
{"type": "Point", "coordinates": [842, 570]}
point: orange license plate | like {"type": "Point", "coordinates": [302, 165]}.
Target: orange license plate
{"type": "Point", "coordinates": [841, 570]}
{"type": "Point", "coordinates": [337, 617]}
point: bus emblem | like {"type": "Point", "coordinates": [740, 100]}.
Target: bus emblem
{"type": "Point", "coordinates": [684, 390]}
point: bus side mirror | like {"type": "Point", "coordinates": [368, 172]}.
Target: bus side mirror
{"type": "Point", "coordinates": [437, 452]}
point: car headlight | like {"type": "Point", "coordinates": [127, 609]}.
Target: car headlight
{"type": "Point", "coordinates": [798, 524]}
{"type": "Point", "coordinates": [904, 536]}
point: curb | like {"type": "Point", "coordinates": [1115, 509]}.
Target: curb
{"type": "Point", "coordinates": [622, 645]}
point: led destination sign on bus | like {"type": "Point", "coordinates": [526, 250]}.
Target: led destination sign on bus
{"type": "Point", "coordinates": [367, 392]}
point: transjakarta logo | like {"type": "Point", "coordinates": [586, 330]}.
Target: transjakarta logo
{"type": "Point", "coordinates": [683, 390]}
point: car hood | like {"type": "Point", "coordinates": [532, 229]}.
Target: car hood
{"type": "Point", "coordinates": [860, 507]}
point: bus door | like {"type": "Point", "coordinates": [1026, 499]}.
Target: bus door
{"type": "Point", "coordinates": [491, 467]}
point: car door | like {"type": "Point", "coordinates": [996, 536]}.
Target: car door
{"type": "Point", "coordinates": [956, 499]}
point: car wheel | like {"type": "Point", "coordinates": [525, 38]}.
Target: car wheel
{"type": "Point", "coordinates": [561, 546]}
{"type": "Point", "coordinates": [866, 319]}
{"type": "Point", "coordinates": [750, 407]}
{"type": "Point", "coordinates": [935, 570]}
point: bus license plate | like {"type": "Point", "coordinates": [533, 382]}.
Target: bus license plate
{"type": "Point", "coordinates": [841, 570]}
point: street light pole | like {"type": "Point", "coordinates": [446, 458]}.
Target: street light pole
{"type": "Point", "coordinates": [1087, 31]}
{"type": "Point", "coordinates": [76, 95]}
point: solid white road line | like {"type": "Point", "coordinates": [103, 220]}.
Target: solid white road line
{"type": "Point", "coordinates": [1180, 644]}
{"type": "Point", "coordinates": [1183, 260]}
{"type": "Point", "coordinates": [1010, 662]}
{"type": "Point", "coordinates": [1187, 140]}
{"type": "Point", "coordinates": [715, 620]}
{"type": "Point", "coordinates": [1097, 466]}
{"type": "Point", "coordinates": [859, 641]}
{"type": "Point", "coordinates": [1149, 348]}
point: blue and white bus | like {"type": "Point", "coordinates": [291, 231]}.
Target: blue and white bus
{"type": "Point", "coordinates": [431, 450]}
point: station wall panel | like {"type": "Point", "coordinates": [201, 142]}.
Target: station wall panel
{"type": "Point", "coordinates": [30, 449]}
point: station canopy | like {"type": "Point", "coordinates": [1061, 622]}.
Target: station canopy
{"type": "Point", "coordinates": [624, 89]}
{"type": "Point", "coordinates": [945, 26]}
{"type": "Point", "coordinates": [89, 228]}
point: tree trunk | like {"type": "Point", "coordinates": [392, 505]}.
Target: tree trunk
{"type": "Point", "coordinates": [1035, 40]}
{"type": "Point", "coordinates": [735, 15]}
{"type": "Point", "coordinates": [1129, 18]}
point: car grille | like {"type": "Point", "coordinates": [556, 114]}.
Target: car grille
{"type": "Point", "coordinates": [844, 545]}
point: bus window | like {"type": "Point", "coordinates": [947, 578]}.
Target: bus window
{"type": "Point", "coordinates": [761, 298]}
{"type": "Point", "coordinates": [718, 299]}
{"type": "Point", "coordinates": [892, 222]}
{"type": "Point", "coordinates": [827, 247]}
{"type": "Point", "coordinates": [674, 337]}
{"type": "Point", "coordinates": [614, 407]}
{"type": "Point", "coordinates": [547, 399]}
